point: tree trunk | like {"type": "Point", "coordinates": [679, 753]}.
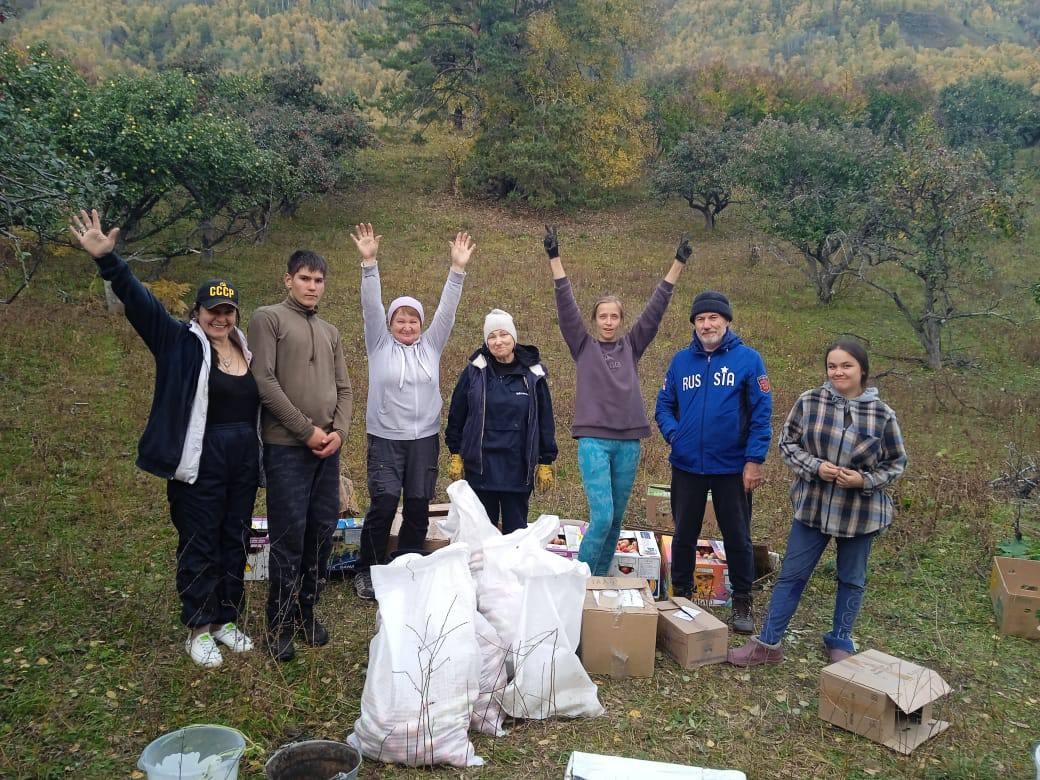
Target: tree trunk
{"type": "Point", "coordinates": [115, 306]}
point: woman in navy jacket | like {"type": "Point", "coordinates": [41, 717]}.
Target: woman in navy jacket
{"type": "Point", "coordinates": [201, 437]}
{"type": "Point", "coordinates": [500, 424]}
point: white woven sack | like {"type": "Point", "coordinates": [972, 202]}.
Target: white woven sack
{"type": "Point", "coordinates": [498, 589]}
{"type": "Point", "coordinates": [423, 663]}
{"type": "Point", "coordinates": [487, 713]}
{"type": "Point", "coordinates": [549, 680]}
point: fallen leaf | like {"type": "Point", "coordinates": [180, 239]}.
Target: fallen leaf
{"type": "Point", "coordinates": [110, 695]}
{"type": "Point", "coordinates": [635, 714]}
{"type": "Point", "coordinates": [41, 661]}
{"type": "Point", "coordinates": [709, 743]}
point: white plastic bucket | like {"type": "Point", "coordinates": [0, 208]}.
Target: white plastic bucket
{"type": "Point", "coordinates": [205, 739]}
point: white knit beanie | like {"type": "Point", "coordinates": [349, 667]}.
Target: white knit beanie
{"type": "Point", "coordinates": [499, 320]}
{"type": "Point", "coordinates": [405, 300]}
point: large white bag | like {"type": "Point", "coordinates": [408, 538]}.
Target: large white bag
{"type": "Point", "coordinates": [423, 663]}
{"type": "Point", "coordinates": [548, 680]}
{"type": "Point", "coordinates": [487, 713]}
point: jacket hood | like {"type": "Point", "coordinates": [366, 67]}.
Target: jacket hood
{"type": "Point", "coordinates": [868, 395]}
{"type": "Point", "coordinates": [527, 355]}
{"type": "Point", "coordinates": [729, 341]}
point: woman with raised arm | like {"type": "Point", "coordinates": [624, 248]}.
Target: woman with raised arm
{"type": "Point", "coordinates": [201, 437]}
{"type": "Point", "coordinates": [844, 446]}
{"type": "Point", "coordinates": [609, 412]}
{"type": "Point", "coordinates": [403, 417]}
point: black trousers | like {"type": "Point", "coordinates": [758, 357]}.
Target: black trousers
{"type": "Point", "coordinates": [212, 518]}
{"type": "Point", "coordinates": [396, 467]}
{"type": "Point", "coordinates": [733, 511]}
{"type": "Point", "coordinates": [511, 507]}
{"type": "Point", "coordinates": [302, 510]}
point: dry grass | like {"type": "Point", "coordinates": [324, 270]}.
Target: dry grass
{"type": "Point", "coordinates": [91, 664]}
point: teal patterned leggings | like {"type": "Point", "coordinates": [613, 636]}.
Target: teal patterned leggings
{"type": "Point", "coordinates": [608, 469]}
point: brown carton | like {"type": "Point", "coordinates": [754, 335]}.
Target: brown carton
{"type": "Point", "coordinates": [1014, 587]}
{"type": "Point", "coordinates": [690, 634]}
{"type": "Point", "coordinates": [618, 627]}
{"type": "Point", "coordinates": [435, 538]}
{"type": "Point", "coordinates": [659, 512]}
{"type": "Point", "coordinates": [883, 698]}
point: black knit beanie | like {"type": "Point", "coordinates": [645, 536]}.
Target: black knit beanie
{"type": "Point", "coordinates": [708, 301]}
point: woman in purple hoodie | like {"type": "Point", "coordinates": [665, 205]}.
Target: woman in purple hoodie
{"type": "Point", "coordinates": [609, 412]}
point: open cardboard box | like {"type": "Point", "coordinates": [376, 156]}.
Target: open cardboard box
{"type": "Point", "coordinates": [618, 627]}
{"type": "Point", "coordinates": [1014, 587]}
{"type": "Point", "coordinates": [883, 698]}
{"type": "Point", "coordinates": [690, 634]}
{"type": "Point", "coordinates": [659, 512]}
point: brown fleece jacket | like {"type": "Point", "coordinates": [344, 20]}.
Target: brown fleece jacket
{"type": "Point", "coordinates": [300, 372]}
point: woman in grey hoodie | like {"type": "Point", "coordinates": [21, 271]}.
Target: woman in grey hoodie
{"type": "Point", "coordinates": [404, 402]}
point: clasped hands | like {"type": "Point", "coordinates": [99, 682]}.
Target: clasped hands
{"type": "Point", "coordinates": [841, 476]}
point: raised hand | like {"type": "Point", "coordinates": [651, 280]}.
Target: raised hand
{"type": "Point", "coordinates": [460, 250]}
{"type": "Point", "coordinates": [366, 241]}
{"type": "Point", "coordinates": [86, 228]}
{"type": "Point", "coordinates": [684, 251]}
{"type": "Point", "coordinates": [551, 242]}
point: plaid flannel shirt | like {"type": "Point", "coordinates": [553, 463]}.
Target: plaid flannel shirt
{"type": "Point", "coordinates": [816, 430]}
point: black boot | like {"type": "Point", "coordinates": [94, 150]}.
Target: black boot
{"type": "Point", "coordinates": [743, 617]}
{"type": "Point", "coordinates": [280, 644]}
{"type": "Point", "coordinates": [311, 629]}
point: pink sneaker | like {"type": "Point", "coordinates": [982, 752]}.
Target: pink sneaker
{"type": "Point", "coordinates": [754, 653]}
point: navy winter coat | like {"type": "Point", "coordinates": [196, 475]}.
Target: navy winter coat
{"type": "Point", "coordinates": [715, 408]}
{"type": "Point", "coordinates": [171, 444]}
{"type": "Point", "coordinates": [502, 423]}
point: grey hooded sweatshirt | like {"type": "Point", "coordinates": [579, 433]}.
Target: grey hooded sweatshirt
{"type": "Point", "coordinates": [404, 392]}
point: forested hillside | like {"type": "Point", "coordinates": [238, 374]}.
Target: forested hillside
{"type": "Point", "coordinates": [834, 40]}
{"type": "Point", "coordinates": [840, 40]}
{"type": "Point", "coordinates": [106, 37]}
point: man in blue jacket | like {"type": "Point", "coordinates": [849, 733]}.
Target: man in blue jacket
{"type": "Point", "coordinates": [714, 411]}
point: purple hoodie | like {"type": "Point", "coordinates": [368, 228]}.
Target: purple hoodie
{"type": "Point", "coordinates": [608, 397]}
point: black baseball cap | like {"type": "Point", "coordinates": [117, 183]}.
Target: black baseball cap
{"type": "Point", "coordinates": [215, 292]}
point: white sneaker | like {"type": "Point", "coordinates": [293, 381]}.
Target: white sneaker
{"type": "Point", "coordinates": [228, 634]}
{"type": "Point", "coordinates": [204, 651]}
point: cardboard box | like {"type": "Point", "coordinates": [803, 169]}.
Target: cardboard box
{"type": "Point", "coordinates": [567, 543]}
{"type": "Point", "coordinates": [618, 627]}
{"type": "Point", "coordinates": [659, 512]}
{"type": "Point", "coordinates": [348, 531]}
{"type": "Point", "coordinates": [435, 538]}
{"type": "Point", "coordinates": [1014, 587]}
{"type": "Point", "coordinates": [883, 698]}
{"type": "Point", "coordinates": [636, 555]}
{"type": "Point", "coordinates": [258, 557]}
{"type": "Point", "coordinates": [711, 574]}
{"type": "Point", "coordinates": [690, 634]}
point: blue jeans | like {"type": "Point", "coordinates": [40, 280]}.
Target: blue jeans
{"type": "Point", "coordinates": [805, 545]}
{"type": "Point", "coordinates": [608, 469]}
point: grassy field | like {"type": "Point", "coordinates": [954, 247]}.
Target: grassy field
{"type": "Point", "coordinates": [91, 660]}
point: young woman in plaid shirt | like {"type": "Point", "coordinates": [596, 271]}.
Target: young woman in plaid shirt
{"type": "Point", "coordinates": [845, 448]}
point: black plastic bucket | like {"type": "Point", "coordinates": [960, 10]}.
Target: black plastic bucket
{"type": "Point", "coordinates": [314, 759]}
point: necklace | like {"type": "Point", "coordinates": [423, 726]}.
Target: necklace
{"type": "Point", "coordinates": [225, 362]}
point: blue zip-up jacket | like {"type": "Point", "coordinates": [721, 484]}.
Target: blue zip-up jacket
{"type": "Point", "coordinates": [171, 444]}
{"type": "Point", "coordinates": [502, 425]}
{"type": "Point", "coordinates": [715, 408]}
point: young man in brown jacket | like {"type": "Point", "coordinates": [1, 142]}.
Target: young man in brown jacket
{"type": "Point", "coordinates": [302, 378]}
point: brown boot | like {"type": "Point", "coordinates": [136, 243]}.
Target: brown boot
{"type": "Point", "coordinates": [755, 653]}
